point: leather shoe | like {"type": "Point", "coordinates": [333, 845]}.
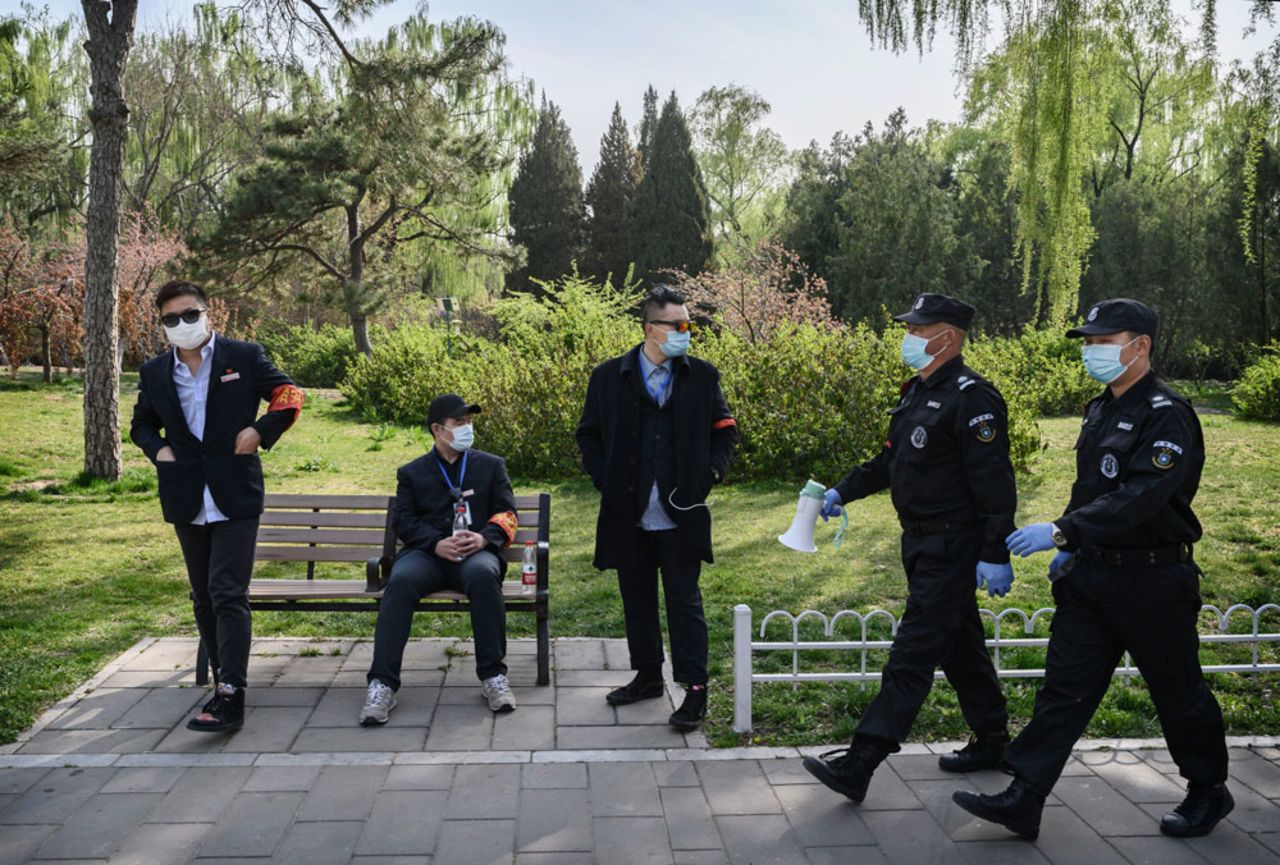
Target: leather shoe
{"type": "Point", "coordinates": [848, 771]}
{"type": "Point", "coordinates": [645, 686]}
{"type": "Point", "coordinates": [224, 713]}
{"type": "Point", "coordinates": [978, 754]}
{"type": "Point", "coordinates": [691, 711]}
{"type": "Point", "coordinates": [1017, 808]}
{"type": "Point", "coordinates": [1199, 812]}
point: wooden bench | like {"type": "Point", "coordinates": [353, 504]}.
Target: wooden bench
{"type": "Point", "coordinates": [315, 529]}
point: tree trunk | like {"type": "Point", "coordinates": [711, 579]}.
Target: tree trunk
{"type": "Point", "coordinates": [46, 356]}
{"type": "Point", "coordinates": [110, 27]}
{"type": "Point", "coordinates": [360, 330]}
{"type": "Point", "coordinates": [352, 288]}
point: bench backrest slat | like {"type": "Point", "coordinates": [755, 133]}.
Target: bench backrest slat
{"type": "Point", "coordinates": [370, 537]}
{"type": "Point", "coordinates": [325, 519]}
{"type": "Point", "coordinates": [266, 553]}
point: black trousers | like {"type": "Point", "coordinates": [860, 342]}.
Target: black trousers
{"type": "Point", "coordinates": [1101, 613]}
{"type": "Point", "coordinates": [219, 559]}
{"type": "Point", "coordinates": [638, 584]}
{"type": "Point", "coordinates": [940, 628]}
{"type": "Point", "coordinates": [415, 574]}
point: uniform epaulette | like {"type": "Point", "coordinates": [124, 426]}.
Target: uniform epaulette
{"type": "Point", "coordinates": [966, 381]}
{"type": "Point", "coordinates": [1161, 400]}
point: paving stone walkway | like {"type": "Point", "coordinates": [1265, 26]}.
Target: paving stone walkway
{"type": "Point", "coordinates": [111, 775]}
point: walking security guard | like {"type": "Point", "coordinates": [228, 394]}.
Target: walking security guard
{"type": "Point", "coordinates": [1124, 580]}
{"type": "Point", "coordinates": [946, 462]}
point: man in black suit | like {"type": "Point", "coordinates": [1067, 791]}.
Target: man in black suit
{"type": "Point", "coordinates": [655, 435]}
{"type": "Point", "coordinates": [452, 480]}
{"type": "Point", "coordinates": [195, 419]}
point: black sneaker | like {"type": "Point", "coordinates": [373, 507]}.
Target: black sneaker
{"type": "Point", "coordinates": [645, 686]}
{"type": "Point", "coordinates": [978, 754]}
{"type": "Point", "coordinates": [1199, 812]}
{"type": "Point", "coordinates": [848, 771]}
{"type": "Point", "coordinates": [222, 714]}
{"type": "Point", "coordinates": [1017, 808]}
{"type": "Point", "coordinates": [691, 711]}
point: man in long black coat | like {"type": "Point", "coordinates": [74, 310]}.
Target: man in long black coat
{"type": "Point", "coordinates": [655, 436]}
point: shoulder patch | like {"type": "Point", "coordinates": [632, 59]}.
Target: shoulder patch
{"type": "Point", "coordinates": [983, 427]}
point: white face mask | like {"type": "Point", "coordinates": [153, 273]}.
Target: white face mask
{"type": "Point", "coordinates": [463, 437]}
{"type": "Point", "coordinates": [188, 336]}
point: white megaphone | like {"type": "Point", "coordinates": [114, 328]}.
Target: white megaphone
{"type": "Point", "coordinates": [800, 536]}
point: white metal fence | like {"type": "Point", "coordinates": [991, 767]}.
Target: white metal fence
{"type": "Point", "coordinates": [745, 648]}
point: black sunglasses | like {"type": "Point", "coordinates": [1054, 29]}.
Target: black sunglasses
{"type": "Point", "coordinates": [190, 316]}
{"type": "Point", "coordinates": [684, 326]}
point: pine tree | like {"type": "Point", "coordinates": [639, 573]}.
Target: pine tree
{"type": "Point", "coordinates": [548, 211]}
{"type": "Point", "coordinates": [669, 217]}
{"type": "Point", "coordinates": [648, 123]}
{"type": "Point", "coordinates": [610, 193]}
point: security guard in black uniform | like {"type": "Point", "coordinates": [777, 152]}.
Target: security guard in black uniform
{"type": "Point", "coordinates": [946, 462]}
{"type": "Point", "coordinates": [1124, 580]}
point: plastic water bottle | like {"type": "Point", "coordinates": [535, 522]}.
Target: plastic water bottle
{"type": "Point", "coordinates": [460, 519]}
{"type": "Point", "coordinates": [529, 568]}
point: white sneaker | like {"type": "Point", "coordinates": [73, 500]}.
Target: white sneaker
{"type": "Point", "coordinates": [378, 704]}
{"type": "Point", "coordinates": [497, 690]}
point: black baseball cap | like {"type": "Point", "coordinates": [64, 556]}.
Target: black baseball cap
{"type": "Point", "coordinates": [930, 307]}
{"type": "Point", "coordinates": [449, 405]}
{"type": "Point", "coordinates": [1115, 315]}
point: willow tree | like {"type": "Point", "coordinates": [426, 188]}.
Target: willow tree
{"type": "Point", "coordinates": [1050, 87]}
{"type": "Point", "coordinates": [385, 159]}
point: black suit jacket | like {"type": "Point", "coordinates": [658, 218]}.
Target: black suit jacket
{"type": "Point", "coordinates": [424, 508]}
{"type": "Point", "coordinates": [241, 377]}
{"type": "Point", "coordinates": [608, 439]}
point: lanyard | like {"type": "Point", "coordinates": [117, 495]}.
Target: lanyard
{"type": "Point", "coordinates": [660, 394]}
{"type": "Point", "coordinates": [456, 492]}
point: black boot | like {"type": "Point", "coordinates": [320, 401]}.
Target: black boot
{"type": "Point", "coordinates": [222, 714]}
{"type": "Point", "coordinates": [1017, 808]}
{"type": "Point", "coordinates": [848, 771]}
{"type": "Point", "coordinates": [645, 686]}
{"type": "Point", "coordinates": [1204, 806]}
{"type": "Point", "coordinates": [691, 711]}
{"type": "Point", "coordinates": [978, 754]}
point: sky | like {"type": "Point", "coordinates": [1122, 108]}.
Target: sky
{"type": "Point", "coordinates": [811, 59]}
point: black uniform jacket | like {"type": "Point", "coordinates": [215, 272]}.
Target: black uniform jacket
{"type": "Point", "coordinates": [1138, 464]}
{"type": "Point", "coordinates": [608, 438]}
{"type": "Point", "coordinates": [425, 503]}
{"type": "Point", "coordinates": [946, 458]}
{"type": "Point", "coordinates": [241, 377]}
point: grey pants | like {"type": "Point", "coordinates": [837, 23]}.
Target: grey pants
{"type": "Point", "coordinates": [219, 559]}
{"type": "Point", "coordinates": [416, 574]}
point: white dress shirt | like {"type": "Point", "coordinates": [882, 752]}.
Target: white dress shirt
{"type": "Point", "coordinates": [193, 395]}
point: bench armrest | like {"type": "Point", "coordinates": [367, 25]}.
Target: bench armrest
{"type": "Point", "coordinates": [376, 570]}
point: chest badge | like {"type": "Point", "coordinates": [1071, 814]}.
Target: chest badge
{"type": "Point", "coordinates": [919, 437]}
{"type": "Point", "coordinates": [1110, 466]}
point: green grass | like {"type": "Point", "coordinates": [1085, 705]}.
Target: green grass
{"type": "Point", "coordinates": [87, 568]}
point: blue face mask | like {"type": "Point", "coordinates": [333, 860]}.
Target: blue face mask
{"type": "Point", "coordinates": [1102, 362]}
{"type": "Point", "coordinates": [913, 350]}
{"type": "Point", "coordinates": [676, 344]}
{"type": "Point", "coordinates": [463, 437]}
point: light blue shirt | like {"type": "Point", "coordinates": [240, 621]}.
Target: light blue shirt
{"type": "Point", "coordinates": [655, 517]}
{"type": "Point", "coordinates": [193, 395]}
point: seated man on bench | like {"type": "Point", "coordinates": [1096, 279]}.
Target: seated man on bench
{"type": "Point", "coordinates": [436, 556]}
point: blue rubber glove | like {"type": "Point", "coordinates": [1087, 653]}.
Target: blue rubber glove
{"type": "Point", "coordinates": [998, 578]}
{"type": "Point", "coordinates": [831, 503]}
{"type": "Point", "coordinates": [1034, 538]}
{"type": "Point", "coordinates": [1059, 564]}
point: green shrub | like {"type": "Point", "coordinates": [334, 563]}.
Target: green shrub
{"type": "Point", "coordinates": [314, 358]}
{"type": "Point", "coordinates": [1038, 368]}
{"type": "Point", "coordinates": [1257, 394]}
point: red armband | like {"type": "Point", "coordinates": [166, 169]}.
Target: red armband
{"type": "Point", "coordinates": [287, 397]}
{"type": "Point", "coordinates": [508, 522]}
{"type": "Point", "coordinates": [723, 423]}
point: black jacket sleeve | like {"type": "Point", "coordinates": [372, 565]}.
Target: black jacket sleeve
{"type": "Point", "coordinates": [284, 399]}
{"type": "Point", "coordinates": [412, 531]}
{"type": "Point", "coordinates": [144, 431]}
{"type": "Point", "coordinates": [1147, 487]}
{"type": "Point", "coordinates": [724, 433]}
{"type": "Point", "coordinates": [500, 529]}
{"type": "Point", "coordinates": [983, 433]}
{"type": "Point", "coordinates": [870, 477]}
{"type": "Point", "coordinates": [590, 433]}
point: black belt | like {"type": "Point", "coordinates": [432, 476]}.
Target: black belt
{"type": "Point", "coordinates": [1139, 558]}
{"type": "Point", "coordinates": [935, 527]}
